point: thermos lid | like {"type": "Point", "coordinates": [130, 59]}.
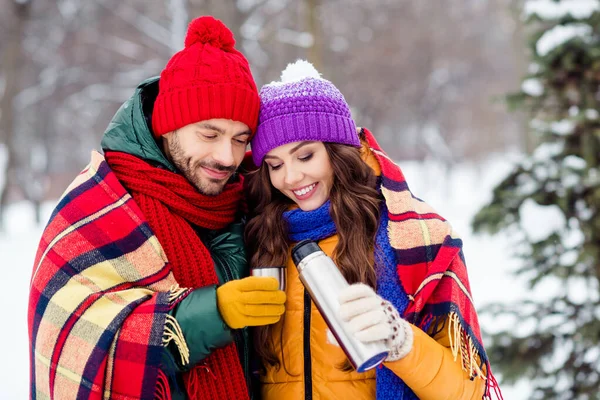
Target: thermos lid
{"type": "Point", "coordinates": [303, 249]}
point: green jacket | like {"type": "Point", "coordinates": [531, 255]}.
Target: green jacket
{"type": "Point", "coordinates": [198, 315]}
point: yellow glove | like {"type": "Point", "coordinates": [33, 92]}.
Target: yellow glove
{"type": "Point", "coordinates": [252, 301]}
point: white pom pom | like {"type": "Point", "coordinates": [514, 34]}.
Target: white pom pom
{"type": "Point", "coordinates": [299, 70]}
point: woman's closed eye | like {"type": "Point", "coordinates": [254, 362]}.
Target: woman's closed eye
{"type": "Point", "coordinates": [274, 167]}
{"type": "Point", "coordinates": [306, 157]}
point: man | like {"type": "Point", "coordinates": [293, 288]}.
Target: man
{"type": "Point", "coordinates": [138, 288]}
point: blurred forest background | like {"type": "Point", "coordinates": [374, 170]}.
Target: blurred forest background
{"type": "Point", "coordinates": [424, 76]}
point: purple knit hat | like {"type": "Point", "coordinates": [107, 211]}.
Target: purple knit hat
{"type": "Point", "coordinates": [303, 106]}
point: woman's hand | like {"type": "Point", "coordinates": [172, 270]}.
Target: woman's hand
{"type": "Point", "coordinates": [372, 318]}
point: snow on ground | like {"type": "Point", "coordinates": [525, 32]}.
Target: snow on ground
{"type": "Point", "coordinates": [17, 252]}
{"type": "Point", "coordinates": [456, 194]}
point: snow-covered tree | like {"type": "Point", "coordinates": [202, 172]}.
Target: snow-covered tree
{"type": "Point", "coordinates": [550, 205]}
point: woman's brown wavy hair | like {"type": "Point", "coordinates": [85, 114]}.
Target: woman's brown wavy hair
{"type": "Point", "coordinates": [354, 209]}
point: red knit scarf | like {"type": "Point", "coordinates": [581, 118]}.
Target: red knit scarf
{"type": "Point", "coordinates": [170, 203]}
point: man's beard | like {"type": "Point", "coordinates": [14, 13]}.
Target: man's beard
{"type": "Point", "coordinates": [190, 169]}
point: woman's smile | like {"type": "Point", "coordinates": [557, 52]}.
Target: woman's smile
{"type": "Point", "coordinates": [305, 192]}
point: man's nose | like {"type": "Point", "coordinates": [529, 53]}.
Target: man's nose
{"type": "Point", "coordinates": [224, 154]}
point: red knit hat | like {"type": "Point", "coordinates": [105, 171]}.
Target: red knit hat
{"type": "Point", "coordinates": [207, 79]}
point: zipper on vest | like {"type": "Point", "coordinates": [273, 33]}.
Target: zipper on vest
{"type": "Point", "coordinates": [239, 335]}
{"type": "Point", "coordinates": [307, 359]}
{"type": "Point", "coordinates": [228, 272]}
{"type": "Point", "coordinates": [247, 365]}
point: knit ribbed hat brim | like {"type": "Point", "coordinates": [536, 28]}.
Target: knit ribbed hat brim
{"type": "Point", "coordinates": [301, 107]}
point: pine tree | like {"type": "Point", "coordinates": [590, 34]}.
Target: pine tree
{"type": "Point", "coordinates": [550, 206]}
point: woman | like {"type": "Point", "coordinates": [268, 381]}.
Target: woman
{"type": "Point", "coordinates": [319, 179]}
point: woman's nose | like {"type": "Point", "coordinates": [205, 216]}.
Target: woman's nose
{"type": "Point", "coordinates": [292, 176]}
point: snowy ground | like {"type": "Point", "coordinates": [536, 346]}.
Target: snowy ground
{"type": "Point", "coordinates": [17, 251]}
{"type": "Point", "coordinates": [455, 194]}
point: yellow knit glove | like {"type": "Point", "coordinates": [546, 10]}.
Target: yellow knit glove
{"type": "Point", "coordinates": [252, 301]}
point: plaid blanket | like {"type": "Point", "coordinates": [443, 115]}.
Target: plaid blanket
{"type": "Point", "coordinates": [431, 287]}
{"type": "Point", "coordinates": [100, 292]}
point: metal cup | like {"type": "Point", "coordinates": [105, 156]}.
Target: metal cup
{"type": "Point", "coordinates": [278, 272]}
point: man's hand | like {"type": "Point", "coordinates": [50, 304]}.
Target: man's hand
{"type": "Point", "coordinates": [252, 301]}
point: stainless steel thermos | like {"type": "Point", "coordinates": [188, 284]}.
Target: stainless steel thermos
{"type": "Point", "coordinates": [324, 282]}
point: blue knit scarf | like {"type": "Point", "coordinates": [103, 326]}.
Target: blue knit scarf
{"type": "Point", "coordinates": [317, 225]}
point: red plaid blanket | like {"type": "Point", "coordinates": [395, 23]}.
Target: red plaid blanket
{"type": "Point", "coordinates": [432, 271]}
{"type": "Point", "coordinates": [100, 291]}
